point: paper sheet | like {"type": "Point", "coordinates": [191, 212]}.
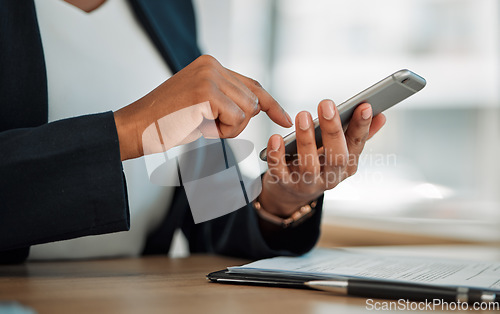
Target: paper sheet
{"type": "Point", "coordinates": [342, 262]}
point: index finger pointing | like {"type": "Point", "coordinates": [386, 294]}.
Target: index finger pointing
{"type": "Point", "coordinates": [266, 102]}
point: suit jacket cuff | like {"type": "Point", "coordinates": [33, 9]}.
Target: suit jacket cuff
{"type": "Point", "coordinates": [61, 180]}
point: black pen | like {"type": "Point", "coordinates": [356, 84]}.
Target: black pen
{"type": "Point", "coordinates": [398, 290]}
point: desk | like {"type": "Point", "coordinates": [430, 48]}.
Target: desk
{"type": "Point", "coordinates": [162, 285]}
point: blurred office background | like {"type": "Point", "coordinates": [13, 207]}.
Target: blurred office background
{"type": "Point", "coordinates": [435, 168]}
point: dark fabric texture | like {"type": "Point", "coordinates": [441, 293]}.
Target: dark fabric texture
{"type": "Point", "coordinates": [171, 26]}
{"type": "Point", "coordinates": [23, 83]}
{"type": "Point", "coordinates": [236, 234]}
{"type": "Point", "coordinates": [64, 179]}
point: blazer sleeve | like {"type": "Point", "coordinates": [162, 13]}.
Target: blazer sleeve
{"type": "Point", "coordinates": [60, 180]}
{"type": "Point", "coordinates": [239, 234]}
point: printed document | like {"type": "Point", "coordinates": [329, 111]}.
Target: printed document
{"type": "Point", "coordinates": [333, 263]}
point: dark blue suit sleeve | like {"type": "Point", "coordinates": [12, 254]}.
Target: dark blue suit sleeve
{"type": "Point", "coordinates": [61, 180]}
{"type": "Point", "coordinates": [238, 234]}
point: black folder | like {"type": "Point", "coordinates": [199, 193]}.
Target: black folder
{"type": "Point", "coordinates": [265, 279]}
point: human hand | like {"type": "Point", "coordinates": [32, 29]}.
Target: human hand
{"type": "Point", "coordinates": [288, 186]}
{"type": "Point", "coordinates": [204, 98]}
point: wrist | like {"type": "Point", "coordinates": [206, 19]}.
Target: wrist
{"type": "Point", "coordinates": [274, 206]}
{"type": "Point", "coordinates": [295, 219]}
{"type": "Point", "coordinates": [288, 202]}
{"type": "Point", "coordinates": [127, 136]}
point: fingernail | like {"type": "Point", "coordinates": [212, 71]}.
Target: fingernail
{"type": "Point", "coordinates": [275, 143]}
{"type": "Point", "coordinates": [304, 121]}
{"type": "Point", "coordinates": [288, 118]}
{"type": "Point", "coordinates": [366, 113]}
{"type": "Point", "coordinates": [327, 109]}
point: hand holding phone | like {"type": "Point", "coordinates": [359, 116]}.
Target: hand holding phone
{"type": "Point", "coordinates": [382, 95]}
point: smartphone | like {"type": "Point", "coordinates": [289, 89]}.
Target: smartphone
{"type": "Point", "coordinates": [382, 95]}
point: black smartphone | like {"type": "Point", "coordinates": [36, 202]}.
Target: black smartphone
{"type": "Point", "coordinates": [382, 95]}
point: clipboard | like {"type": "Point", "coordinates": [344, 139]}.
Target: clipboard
{"type": "Point", "coordinates": [267, 279]}
{"type": "Point", "coordinates": [345, 264]}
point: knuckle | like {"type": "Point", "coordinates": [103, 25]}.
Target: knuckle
{"type": "Point", "coordinates": [255, 101]}
{"type": "Point", "coordinates": [240, 117]}
{"type": "Point", "coordinates": [237, 116]}
{"type": "Point", "coordinates": [207, 59]}
{"type": "Point", "coordinates": [357, 140]}
{"type": "Point", "coordinates": [335, 134]}
{"type": "Point", "coordinates": [306, 142]}
{"type": "Point", "coordinates": [256, 111]}
{"type": "Point", "coordinates": [256, 83]}
{"type": "Point", "coordinates": [252, 105]}
{"type": "Point", "coordinates": [207, 72]}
